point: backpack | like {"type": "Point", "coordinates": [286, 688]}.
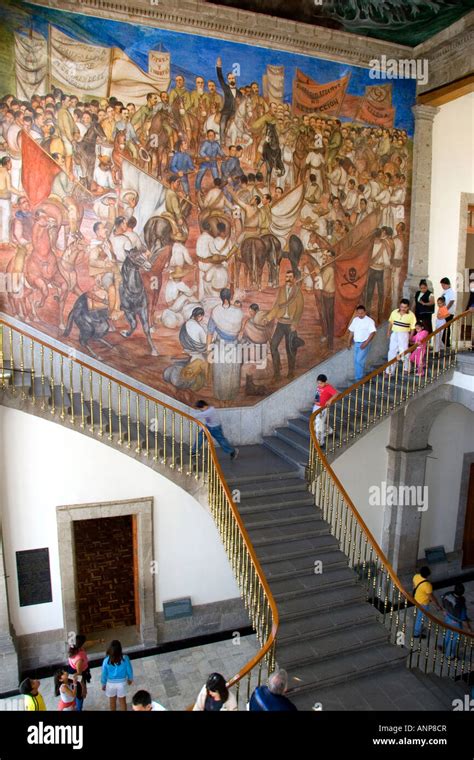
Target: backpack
{"type": "Point", "coordinates": [454, 605]}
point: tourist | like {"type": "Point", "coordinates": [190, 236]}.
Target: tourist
{"type": "Point", "coordinates": [142, 702]}
{"type": "Point", "coordinates": [362, 331]}
{"type": "Point", "coordinates": [209, 416]}
{"type": "Point", "coordinates": [423, 594]}
{"type": "Point", "coordinates": [271, 698]}
{"type": "Point", "coordinates": [117, 672]}
{"type": "Point", "coordinates": [455, 611]}
{"type": "Point", "coordinates": [441, 315]}
{"type": "Point", "coordinates": [401, 325]}
{"type": "Point", "coordinates": [424, 305]}
{"type": "Point", "coordinates": [215, 696]}
{"type": "Point", "coordinates": [78, 662]}
{"type": "Point", "coordinates": [450, 298]}
{"type": "Point", "coordinates": [33, 699]}
{"type": "Point", "coordinates": [66, 690]}
{"type": "Point", "coordinates": [325, 395]}
{"type": "Point", "coordinates": [417, 356]}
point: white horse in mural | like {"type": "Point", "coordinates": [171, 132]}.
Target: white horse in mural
{"type": "Point", "coordinates": [238, 132]}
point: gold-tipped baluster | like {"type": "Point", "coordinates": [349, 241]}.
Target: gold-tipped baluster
{"type": "Point", "coordinates": [369, 404]}
{"type": "Point", "coordinates": [43, 379]}
{"type": "Point", "coordinates": [71, 390]}
{"type": "Point", "coordinates": [22, 367]}
{"type": "Point", "coordinates": [129, 423]}
{"type": "Point", "coordinates": [109, 402]}
{"type": "Point", "coordinates": [155, 432]}
{"type": "Point", "coordinates": [138, 447]}
{"type": "Point", "coordinates": [377, 377]}
{"type": "Point", "coordinates": [81, 390]}
{"type": "Point", "coordinates": [91, 399]}
{"type": "Point", "coordinates": [62, 386]}
{"type": "Point", "coordinates": [12, 359]}
{"type": "Point", "coordinates": [53, 384]}
{"type": "Point", "coordinates": [361, 421]}
{"type": "Point", "coordinates": [180, 468]}
{"type": "Point", "coordinates": [348, 433]}
{"type": "Point", "coordinates": [356, 412]}
{"type": "Point", "coordinates": [2, 359]}
{"type": "Point", "coordinates": [173, 440]}
{"type": "Point", "coordinates": [395, 385]}
{"type": "Point", "coordinates": [147, 432]}
{"type": "Point", "coordinates": [163, 461]}
{"type": "Point", "coordinates": [190, 438]}
{"type": "Point", "coordinates": [33, 373]}
{"type": "Point", "coordinates": [341, 441]}
{"type": "Point", "coordinates": [101, 410]}
{"type": "Point", "coordinates": [119, 412]}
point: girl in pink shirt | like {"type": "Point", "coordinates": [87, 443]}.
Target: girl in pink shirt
{"type": "Point", "coordinates": [418, 355]}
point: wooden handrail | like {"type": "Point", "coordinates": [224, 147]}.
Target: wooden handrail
{"type": "Point", "coordinates": [217, 465]}
{"type": "Point", "coordinates": [394, 577]}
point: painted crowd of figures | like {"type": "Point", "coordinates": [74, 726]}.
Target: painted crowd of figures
{"type": "Point", "coordinates": [242, 249]}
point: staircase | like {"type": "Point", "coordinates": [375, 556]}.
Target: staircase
{"type": "Point", "coordinates": [329, 635]}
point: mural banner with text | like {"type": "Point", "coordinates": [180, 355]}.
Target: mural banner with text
{"type": "Point", "coordinates": [31, 64]}
{"type": "Point", "coordinates": [309, 96]}
{"type": "Point", "coordinates": [77, 67]}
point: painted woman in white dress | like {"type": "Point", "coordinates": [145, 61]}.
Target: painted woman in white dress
{"type": "Point", "coordinates": [223, 330]}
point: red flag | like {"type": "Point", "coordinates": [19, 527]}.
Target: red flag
{"type": "Point", "coordinates": [353, 254]}
{"type": "Point", "coordinates": [38, 170]}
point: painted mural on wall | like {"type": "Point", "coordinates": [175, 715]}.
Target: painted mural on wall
{"type": "Point", "coordinates": [202, 215]}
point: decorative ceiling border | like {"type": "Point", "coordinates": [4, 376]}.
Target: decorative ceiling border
{"type": "Point", "coordinates": [194, 16]}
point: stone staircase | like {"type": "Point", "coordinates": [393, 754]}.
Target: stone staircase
{"type": "Point", "coordinates": [329, 635]}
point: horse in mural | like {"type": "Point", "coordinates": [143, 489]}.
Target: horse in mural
{"type": "Point", "coordinates": [85, 151]}
{"type": "Point", "coordinates": [93, 324]}
{"type": "Point", "coordinates": [254, 253]}
{"type": "Point", "coordinates": [271, 153]}
{"type": "Point", "coordinates": [133, 297]}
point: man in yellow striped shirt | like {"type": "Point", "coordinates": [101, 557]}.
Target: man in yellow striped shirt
{"type": "Point", "coordinates": [401, 324]}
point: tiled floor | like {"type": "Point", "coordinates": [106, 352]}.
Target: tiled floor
{"type": "Point", "coordinates": [173, 679]}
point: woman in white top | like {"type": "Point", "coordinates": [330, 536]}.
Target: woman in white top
{"type": "Point", "coordinates": [66, 690]}
{"type": "Point", "coordinates": [215, 696]}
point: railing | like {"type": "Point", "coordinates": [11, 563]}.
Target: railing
{"type": "Point", "coordinates": [90, 399]}
{"type": "Point", "coordinates": [446, 650]}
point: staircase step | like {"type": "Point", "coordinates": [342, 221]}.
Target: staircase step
{"type": "Point", "coordinates": [309, 519]}
{"type": "Point", "coordinates": [297, 548]}
{"type": "Point", "coordinates": [284, 450]}
{"type": "Point", "coordinates": [303, 650]}
{"type": "Point", "coordinates": [273, 477]}
{"type": "Point", "coordinates": [78, 407]}
{"type": "Point", "coordinates": [265, 488]}
{"type": "Point", "coordinates": [282, 538]}
{"type": "Point", "coordinates": [60, 397]}
{"type": "Point", "coordinates": [304, 565]}
{"type": "Point", "coordinates": [322, 600]}
{"type": "Point", "coordinates": [276, 502]}
{"type": "Point", "coordinates": [344, 666]}
{"type": "Point", "coordinates": [300, 425]}
{"type": "Point", "coordinates": [41, 390]}
{"type": "Point", "coordinates": [293, 438]}
{"type": "Point", "coordinates": [307, 584]}
{"type": "Point", "coordinates": [318, 622]}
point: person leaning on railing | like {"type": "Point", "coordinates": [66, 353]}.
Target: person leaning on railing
{"type": "Point", "coordinates": [423, 594]}
{"type": "Point", "coordinates": [271, 698]}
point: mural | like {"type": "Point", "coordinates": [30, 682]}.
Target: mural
{"type": "Point", "coordinates": [202, 215]}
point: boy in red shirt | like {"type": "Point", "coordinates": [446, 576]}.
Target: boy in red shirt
{"type": "Point", "coordinates": [325, 395]}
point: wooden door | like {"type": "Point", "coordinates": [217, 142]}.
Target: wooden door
{"type": "Point", "coordinates": [468, 541]}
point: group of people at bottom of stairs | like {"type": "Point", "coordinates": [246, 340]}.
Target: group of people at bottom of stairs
{"type": "Point", "coordinates": [117, 675]}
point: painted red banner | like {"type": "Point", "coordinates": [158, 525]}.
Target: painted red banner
{"type": "Point", "coordinates": [373, 113]}
{"type": "Point", "coordinates": [38, 170]}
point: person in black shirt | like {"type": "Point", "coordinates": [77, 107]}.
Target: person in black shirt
{"type": "Point", "coordinates": [424, 305]}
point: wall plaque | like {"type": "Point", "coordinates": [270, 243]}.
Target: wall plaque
{"type": "Point", "coordinates": [34, 577]}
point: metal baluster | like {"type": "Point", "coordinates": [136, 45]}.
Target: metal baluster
{"type": "Point", "coordinates": [101, 409]}
{"type": "Point", "coordinates": [22, 367]}
{"type": "Point", "coordinates": [155, 432]}
{"type": "Point", "coordinates": [138, 447]}
{"type": "Point", "coordinates": [180, 468]}
{"type": "Point", "coordinates": [147, 432]}
{"type": "Point", "coordinates": [81, 391]}
{"type": "Point", "coordinates": [129, 421]}
{"type": "Point", "coordinates": [109, 401]}
{"type": "Point", "coordinates": [91, 400]}
{"type": "Point", "coordinates": [119, 412]}
{"type": "Point", "coordinates": [53, 386]}
{"type": "Point", "coordinates": [71, 390]}
{"type": "Point", "coordinates": [43, 379]}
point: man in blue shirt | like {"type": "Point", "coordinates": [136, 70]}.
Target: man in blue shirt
{"type": "Point", "coordinates": [209, 151]}
{"type": "Point", "coordinates": [182, 164]}
{"type": "Point", "coordinates": [271, 698]}
{"type": "Point", "coordinates": [231, 169]}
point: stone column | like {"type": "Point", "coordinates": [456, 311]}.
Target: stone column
{"type": "Point", "coordinates": [418, 253]}
{"type": "Point", "coordinates": [402, 522]}
{"type": "Point", "coordinates": [8, 655]}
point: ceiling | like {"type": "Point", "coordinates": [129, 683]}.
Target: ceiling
{"type": "Point", "coordinates": [406, 22]}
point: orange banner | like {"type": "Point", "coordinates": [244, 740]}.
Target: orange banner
{"type": "Point", "coordinates": [38, 170]}
{"type": "Point", "coordinates": [353, 255]}
{"type": "Point", "coordinates": [373, 113]}
{"type": "Point", "coordinates": [309, 96]}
